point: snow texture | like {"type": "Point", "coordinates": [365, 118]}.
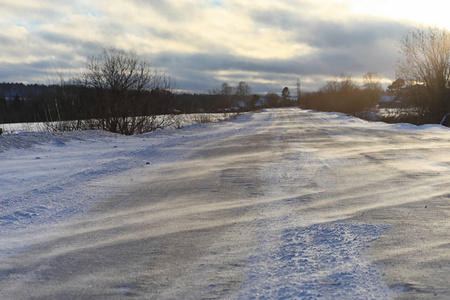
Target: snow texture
{"type": "Point", "coordinates": [48, 180]}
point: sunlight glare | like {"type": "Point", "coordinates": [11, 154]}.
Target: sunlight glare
{"type": "Point", "coordinates": [429, 12]}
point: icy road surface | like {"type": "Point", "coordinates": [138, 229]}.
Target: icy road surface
{"type": "Point", "coordinates": [281, 204]}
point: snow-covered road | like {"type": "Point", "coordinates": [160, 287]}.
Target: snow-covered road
{"type": "Point", "coordinates": [280, 204]}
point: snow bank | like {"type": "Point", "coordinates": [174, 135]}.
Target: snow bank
{"type": "Point", "coordinates": [169, 121]}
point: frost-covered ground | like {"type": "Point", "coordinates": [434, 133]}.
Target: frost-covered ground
{"type": "Point", "coordinates": [47, 178]}
{"type": "Point", "coordinates": [279, 204]}
{"type": "Point", "coordinates": [165, 121]}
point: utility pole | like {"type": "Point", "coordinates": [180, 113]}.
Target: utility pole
{"type": "Point", "coordinates": [299, 93]}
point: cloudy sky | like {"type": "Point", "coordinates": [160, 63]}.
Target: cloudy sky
{"type": "Point", "coordinates": [202, 43]}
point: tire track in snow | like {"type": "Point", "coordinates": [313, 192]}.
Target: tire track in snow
{"type": "Point", "coordinates": [302, 255]}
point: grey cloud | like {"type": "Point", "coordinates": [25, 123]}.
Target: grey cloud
{"type": "Point", "coordinates": [31, 15]}
{"type": "Point", "coordinates": [353, 46]}
{"type": "Point", "coordinates": [80, 47]}
{"type": "Point", "coordinates": [202, 82]}
{"type": "Point", "coordinates": [351, 34]}
{"type": "Point", "coordinates": [39, 72]}
{"type": "Point", "coordinates": [195, 81]}
{"type": "Point", "coordinates": [283, 19]}
{"type": "Point", "coordinates": [323, 63]}
{"type": "Point", "coordinates": [197, 69]}
{"type": "Point", "coordinates": [7, 41]}
{"type": "Point", "coordinates": [320, 32]}
{"type": "Point", "coordinates": [167, 9]}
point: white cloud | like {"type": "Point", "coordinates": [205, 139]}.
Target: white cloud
{"type": "Point", "coordinates": [254, 40]}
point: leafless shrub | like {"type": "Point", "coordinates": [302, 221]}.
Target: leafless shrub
{"type": "Point", "coordinates": [425, 66]}
{"type": "Point", "coordinates": [126, 92]}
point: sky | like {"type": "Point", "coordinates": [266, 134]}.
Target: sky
{"type": "Point", "coordinates": [203, 43]}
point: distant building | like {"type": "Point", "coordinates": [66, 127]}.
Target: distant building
{"type": "Point", "coordinates": [238, 105]}
{"type": "Point", "coordinates": [389, 101]}
{"type": "Point", "coordinates": [262, 102]}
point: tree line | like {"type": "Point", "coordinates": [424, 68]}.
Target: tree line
{"type": "Point", "coordinates": [422, 82]}
{"type": "Point", "coordinates": [344, 94]}
{"type": "Point", "coordinates": [424, 72]}
{"type": "Point", "coordinates": [20, 102]}
{"type": "Point", "coordinates": [118, 91]}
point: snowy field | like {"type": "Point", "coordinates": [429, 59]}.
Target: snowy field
{"type": "Point", "coordinates": [47, 178]}
{"type": "Point", "coordinates": [166, 121]}
{"type": "Point", "coordinates": [280, 204]}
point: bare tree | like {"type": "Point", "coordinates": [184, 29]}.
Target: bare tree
{"type": "Point", "coordinates": [227, 93]}
{"type": "Point", "coordinates": [342, 94]}
{"type": "Point", "coordinates": [426, 62]}
{"type": "Point", "coordinates": [343, 84]}
{"type": "Point", "coordinates": [224, 95]}
{"type": "Point", "coordinates": [372, 82]}
{"type": "Point", "coordinates": [243, 91]}
{"type": "Point", "coordinates": [226, 89]}
{"type": "Point", "coordinates": [127, 92]}
{"type": "Point", "coordinates": [372, 87]}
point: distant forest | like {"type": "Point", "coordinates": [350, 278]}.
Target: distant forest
{"type": "Point", "coordinates": [121, 93]}
{"type": "Point", "coordinates": [40, 103]}
{"type": "Point", "coordinates": [23, 103]}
